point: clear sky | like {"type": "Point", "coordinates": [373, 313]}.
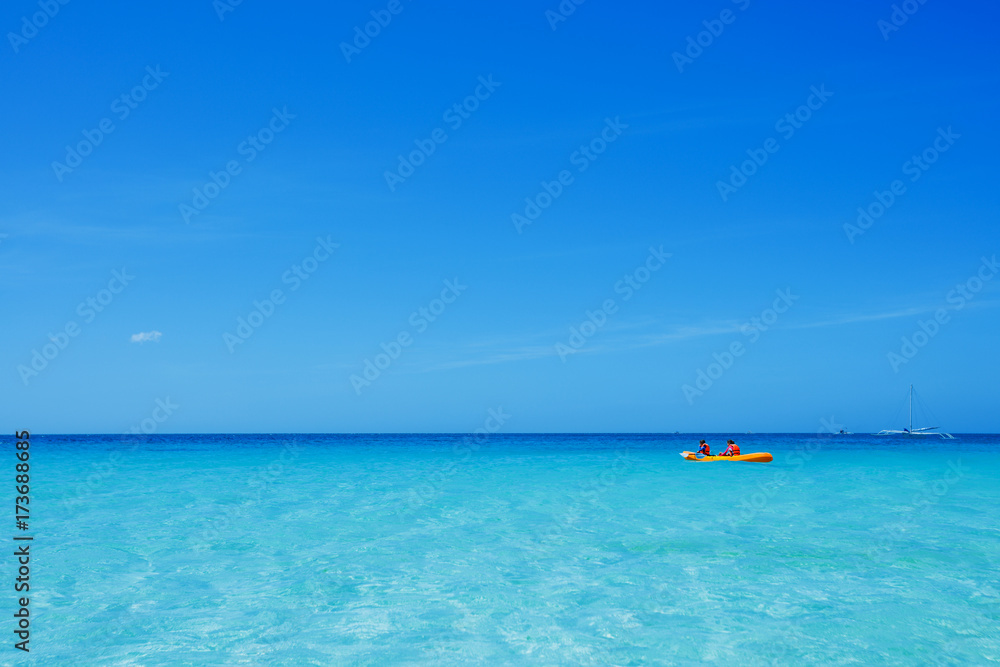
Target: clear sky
{"type": "Point", "coordinates": [623, 132]}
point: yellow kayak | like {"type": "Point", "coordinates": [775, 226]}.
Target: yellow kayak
{"type": "Point", "coordinates": [755, 457]}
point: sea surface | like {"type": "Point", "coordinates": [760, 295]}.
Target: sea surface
{"type": "Point", "coordinates": [511, 550]}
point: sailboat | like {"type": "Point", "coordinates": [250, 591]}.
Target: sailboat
{"type": "Point", "coordinates": [916, 432]}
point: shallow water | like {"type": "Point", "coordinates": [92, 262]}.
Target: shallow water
{"type": "Point", "coordinates": [555, 549]}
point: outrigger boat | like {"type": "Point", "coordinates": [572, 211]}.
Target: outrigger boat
{"type": "Point", "coordinates": [911, 432]}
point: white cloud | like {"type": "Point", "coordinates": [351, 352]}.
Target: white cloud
{"type": "Point", "coordinates": [146, 336]}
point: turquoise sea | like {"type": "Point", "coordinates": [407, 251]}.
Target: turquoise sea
{"type": "Point", "coordinates": [516, 549]}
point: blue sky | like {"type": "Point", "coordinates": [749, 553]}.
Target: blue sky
{"type": "Point", "coordinates": [210, 89]}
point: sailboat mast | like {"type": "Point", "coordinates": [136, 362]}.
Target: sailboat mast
{"type": "Point", "coordinates": [911, 408]}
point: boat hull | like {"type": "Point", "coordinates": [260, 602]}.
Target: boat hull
{"type": "Point", "coordinates": [753, 457]}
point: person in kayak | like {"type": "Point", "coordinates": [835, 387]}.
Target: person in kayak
{"type": "Point", "coordinates": [732, 449]}
{"type": "Point", "coordinates": [703, 448]}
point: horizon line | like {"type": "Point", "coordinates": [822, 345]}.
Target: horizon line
{"type": "Point", "coordinates": [425, 433]}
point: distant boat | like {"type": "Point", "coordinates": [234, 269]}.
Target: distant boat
{"type": "Point", "coordinates": [911, 432]}
{"type": "Point", "coordinates": [843, 432]}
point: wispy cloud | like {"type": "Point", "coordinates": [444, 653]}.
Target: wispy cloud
{"type": "Point", "coordinates": [887, 315]}
{"type": "Point", "coordinates": [501, 357]}
{"type": "Point", "coordinates": [620, 336]}
{"type": "Point", "coordinates": [615, 337]}
{"type": "Point", "coordinates": [146, 337]}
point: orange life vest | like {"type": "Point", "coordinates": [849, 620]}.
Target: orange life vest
{"type": "Point", "coordinates": [704, 450]}
{"type": "Point", "coordinates": [735, 449]}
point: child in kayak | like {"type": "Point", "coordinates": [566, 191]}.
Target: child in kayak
{"type": "Point", "coordinates": [703, 448]}
{"type": "Point", "coordinates": [732, 450]}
